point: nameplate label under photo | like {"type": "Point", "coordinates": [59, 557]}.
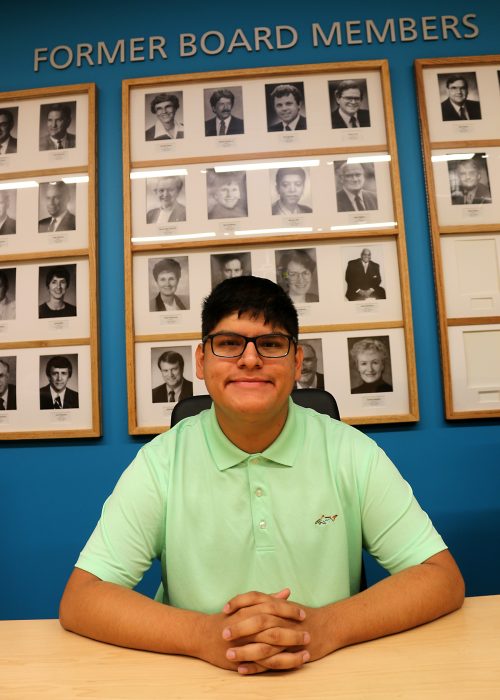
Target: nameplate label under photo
{"type": "Point", "coordinates": [352, 136]}
{"type": "Point", "coordinates": [373, 401]}
{"type": "Point", "coordinates": [293, 221]}
{"type": "Point", "coordinates": [58, 155]}
{"type": "Point", "coordinates": [59, 416]}
{"type": "Point", "coordinates": [359, 218]}
{"type": "Point", "coordinates": [303, 311]}
{"type": "Point", "coordinates": [229, 228]}
{"type": "Point", "coordinates": [225, 144]}
{"type": "Point", "coordinates": [4, 161]}
{"type": "Point", "coordinates": [58, 325]}
{"type": "Point", "coordinates": [57, 238]}
{"type": "Point", "coordinates": [366, 307]}
{"type": "Point", "coordinates": [169, 319]}
{"type": "Point", "coordinates": [166, 411]}
{"type": "Point", "coordinates": [4, 418]}
{"type": "Point", "coordinates": [472, 212]}
{"type": "Point", "coordinates": [167, 228]}
{"type": "Point", "coordinates": [4, 327]}
{"type": "Point", "coordinates": [167, 147]}
{"type": "Point", "coordinates": [4, 242]}
{"type": "Point", "coordinates": [290, 137]}
{"type": "Point", "coordinates": [465, 128]}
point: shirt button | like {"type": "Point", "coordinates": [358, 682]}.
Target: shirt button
{"type": "Point", "coordinates": [254, 461]}
{"type": "Point", "coordinates": [259, 492]}
{"type": "Point", "coordinates": [262, 524]}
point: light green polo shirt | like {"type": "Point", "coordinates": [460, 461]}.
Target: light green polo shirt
{"type": "Point", "coordinates": [223, 522]}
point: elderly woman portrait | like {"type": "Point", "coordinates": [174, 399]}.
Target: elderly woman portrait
{"type": "Point", "coordinates": [164, 106]}
{"type": "Point", "coordinates": [57, 282]}
{"type": "Point", "coordinates": [168, 209]}
{"type": "Point", "coordinates": [369, 361]}
{"type": "Point", "coordinates": [7, 301]}
{"type": "Point", "coordinates": [296, 274]}
{"type": "Point", "coordinates": [167, 274]}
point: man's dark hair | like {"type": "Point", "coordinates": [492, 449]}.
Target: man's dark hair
{"type": "Point", "coordinates": [58, 362]}
{"type": "Point", "coordinates": [62, 107]}
{"type": "Point", "coordinates": [7, 113]}
{"type": "Point", "coordinates": [283, 172]}
{"type": "Point", "coordinates": [454, 77]}
{"type": "Point", "coordinates": [251, 295]}
{"type": "Point", "coordinates": [219, 94]}
{"type": "Point", "coordinates": [59, 271]}
{"type": "Point", "coordinates": [165, 97]}
{"type": "Point", "coordinates": [173, 358]}
{"type": "Point", "coordinates": [286, 89]}
{"type": "Point", "coordinates": [167, 265]}
{"type": "Point", "coordinates": [348, 85]}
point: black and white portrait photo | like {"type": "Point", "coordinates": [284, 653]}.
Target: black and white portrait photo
{"type": "Point", "coordinates": [290, 191]}
{"type": "Point", "coordinates": [58, 382]}
{"type": "Point", "coordinates": [168, 284]}
{"type": "Point", "coordinates": [312, 374]}
{"type": "Point", "coordinates": [8, 398]}
{"type": "Point", "coordinates": [165, 200]}
{"type": "Point", "coordinates": [226, 194]}
{"type": "Point", "coordinates": [349, 104]}
{"type": "Point", "coordinates": [356, 188]}
{"type": "Point", "coordinates": [296, 273]}
{"type": "Point", "coordinates": [56, 120]}
{"type": "Point", "coordinates": [57, 291]}
{"type": "Point", "coordinates": [363, 278]}
{"type": "Point", "coordinates": [8, 201]}
{"type": "Point", "coordinates": [171, 374]}
{"type": "Point", "coordinates": [8, 130]}
{"type": "Point", "coordinates": [224, 266]}
{"type": "Point", "coordinates": [56, 206]}
{"type": "Point", "coordinates": [469, 180]}
{"type": "Point", "coordinates": [285, 105]}
{"type": "Point", "coordinates": [459, 96]}
{"type": "Point", "coordinates": [7, 293]}
{"type": "Point", "coordinates": [370, 365]}
{"type": "Point", "coordinates": [223, 111]}
{"type": "Point", "coordinates": [164, 116]}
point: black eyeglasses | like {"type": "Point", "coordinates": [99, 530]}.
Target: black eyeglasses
{"type": "Point", "coordinates": [270, 345]}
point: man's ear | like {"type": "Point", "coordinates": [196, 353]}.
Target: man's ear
{"type": "Point", "coordinates": [199, 358]}
{"type": "Point", "coordinates": [299, 356]}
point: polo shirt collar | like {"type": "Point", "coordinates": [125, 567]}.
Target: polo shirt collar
{"type": "Point", "coordinates": [282, 451]}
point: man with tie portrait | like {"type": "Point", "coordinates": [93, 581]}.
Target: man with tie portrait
{"type": "Point", "coordinates": [54, 123]}
{"type": "Point", "coordinates": [224, 122]}
{"type": "Point", "coordinates": [363, 278]}
{"type": "Point", "coordinates": [8, 144]}
{"type": "Point", "coordinates": [54, 197]}
{"type": "Point", "coordinates": [285, 107]}
{"type": "Point", "coordinates": [352, 195]}
{"type": "Point", "coordinates": [7, 387]}
{"type": "Point", "coordinates": [7, 223]}
{"type": "Point", "coordinates": [469, 182]}
{"type": "Point", "coordinates": [346, 98]}
{"type": "Point", "coordinates": [175, 387]}
{"type": "Point", "coordinates": [457, 106]}
{"type": "Point", "coordinates": [57, 394]}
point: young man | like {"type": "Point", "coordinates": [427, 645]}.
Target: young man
{"type": "Point", "coordinates": [252, 503]}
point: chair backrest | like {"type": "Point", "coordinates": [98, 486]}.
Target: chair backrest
{"type": "Point", "coordinates": [318, 399]}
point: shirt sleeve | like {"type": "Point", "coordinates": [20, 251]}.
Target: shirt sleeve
{"type": "Point", "coordinates": [131, 531]}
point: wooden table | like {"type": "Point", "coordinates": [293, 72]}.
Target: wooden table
{"type": "Point", "coordinates": [455, 657]}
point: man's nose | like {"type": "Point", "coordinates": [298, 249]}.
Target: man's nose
{"type": "Point", "coordinates": [250, 356]}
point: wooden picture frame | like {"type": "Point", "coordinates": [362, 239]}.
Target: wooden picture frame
{"type": "Point", "coordinates": [181, 160]}
{"type": "Point", "coordinates": [461, 150]}
{"type": "Point", "coordinates": [48, 256]}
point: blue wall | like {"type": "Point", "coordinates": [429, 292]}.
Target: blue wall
{"type": "Point", "coordinates": [51, 491]}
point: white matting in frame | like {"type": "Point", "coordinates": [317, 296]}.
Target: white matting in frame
{"type": "Point", "coordinates": [33, 152]}
{"type": "Point", "coordinates": [471, 266]}
{"type": "Point", "coordinates": [29, 206]}
{"type": "Point", "coordinates": [148, 377]}
{"type": "Point", "coordinates": [315, 108]}
{"type": "Point", "coordinates": [32, 293]}
{"type": "Point", "coordinates": [30, 379]}
{"type": "Point", "coordinates": [482, 87]}
{"type": "Point", "coordinates": [474, 367]}
{"type": "Point", "coordinates": [469, 170]}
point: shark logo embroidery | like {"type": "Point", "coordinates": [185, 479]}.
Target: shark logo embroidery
{"type": "Point", "coordinates": [326, 519]}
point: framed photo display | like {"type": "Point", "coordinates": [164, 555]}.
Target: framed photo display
{"type": "Point", "coordinates": [459, 103]}
{"type": "Point", "coordinates": [49, 361]}
{"type": "Point", "coordinates": [276, 173]}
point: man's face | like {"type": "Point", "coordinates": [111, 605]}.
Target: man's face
{"type": "Point", "coordinates": [4, 378]}
{"type": "Point", "coordinates": [353, 177]}
{"type": "Point", "coordinates": [468, 175]}
{"type": "Point", "coordinates": [223, 108]}
{"type": "Point", "coordinates": [167, 283]}
{"type": "Point", "coordinates": [165, 111]}
{"type": "Point", "coordinates": [370, 366]}
{"type": "Point", "coordinates": [228, 195]}
{"type": "Point", "coordinates": [366, 255]}
{"type": "Point", "coordinates": [232, 268]}
{"type": "Point", "coordinates": [299, 278]}
{"type": "Point", "coordinates": [248, 385]}
{"type": "Point", "coordinates": [350, 100]}
{"type": "Point", "coordinates": [58, 378]}
{"type": "Point", "coordinates": [287, 108]}
{"type": "Point", "coordinates": [5, 127]}
{"type": "Point", "coordinates": [167, 192]}
{"type": "Point", "coordinates": [4, 204]}
{"type": "Point", "coordinates": [290, 189]}
{"type": "Point", "coordinates": [57, 124]}
{"type": "Point", "coordinates": [56, 200]}
{"type": "Point", "coordinates": [309, 365]}
{"type": "Point", "coordinates": [171, 373]}
{"type": "Point", "coordinates": [458, 91]}
{"type": "Point", "coordinates": [57, 288]}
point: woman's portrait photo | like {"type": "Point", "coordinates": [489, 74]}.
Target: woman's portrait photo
{"type": "Point", "coordinates": [168, 284]}
{"type": "Point", "coordinates": [296, 273]}
{"type": "Point", "coordinates": [370, 365]}
{"type": "Point", "coordinates": [226, 195]}
{"type": "Point", "coordinates": [7, 294]}
{"type": "Point", "coordinates": [163, 116]}
{"type": "Point", "coordinates": [57, 285]}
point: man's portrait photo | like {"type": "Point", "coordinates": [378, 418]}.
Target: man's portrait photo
{"type": "Point", "coordinates": [312, 375]}
{"type": "Point", "coordinates": [456, 88]}
{"type": "Point", "coordinates": [164, 116]}
{"type": "Point", "coordinates": [165, 200]}
{"type": "Point", "coordinates": [168, 370]}
{"type": "Point", "coordinates": [61, 391]}
{"type": "Point", "coordinates": [226, 194]}
{"type": "Point", "coordinates": [8, 401]}
{"type": "Point", "coordinates": [469, 181]}
{"type": "Point", "coordinates": [296, 273]}
{"type": "Point", "coordinates": [7, 293]}
{"type": "Point", "coordinates": [363, 278]}
{"type": "Point", "coordinates": [8, 129]}
{"type": "Point", "coordinates": [8, 200]}
{"type": "Point", "coordinates": [57, 286]}
{"type": "Point", "coordinates": [289, 184]}
{"type": "Point", "coordinates": [56, 206]}
{"type": "Point", "coordinates": [356, 187]}
{"type": "Point", "coordinates": [286, 110]}
{"type": "Point", "coordinates": [168, 284]}
{"type": "Point", "coordinates": [226, 105]}
{"type": "Point", "coordinates": [224, 266]}
{"type": "Point", "coordinates": [55, 121]}
{"type": "Point", "coordinates": [370, 365]}
{"type": "Point", "coordinates": [348, 104]}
